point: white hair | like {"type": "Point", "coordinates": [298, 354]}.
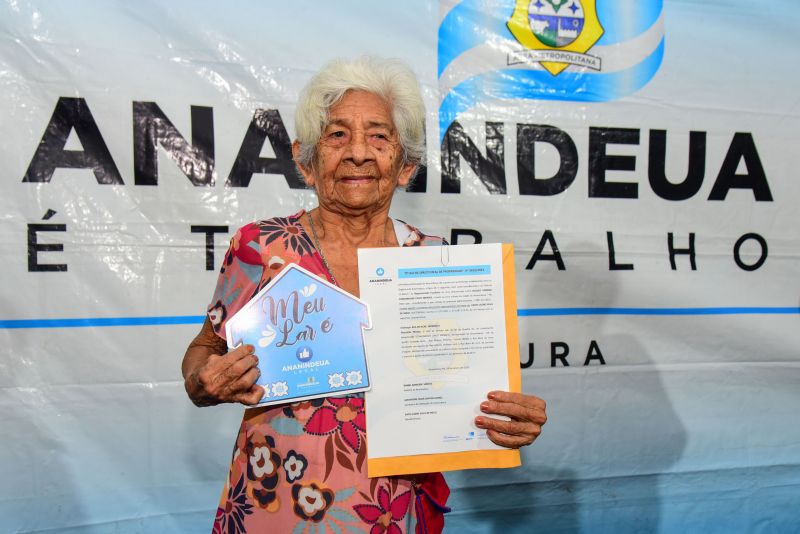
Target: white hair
{"type": "Point", "coordinates": [390, 79]}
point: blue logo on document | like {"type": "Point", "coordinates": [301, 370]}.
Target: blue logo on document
{"type": "Point", "coordinates": [304, 354]}
{"type": "Point", "coordinates": [379, 271]}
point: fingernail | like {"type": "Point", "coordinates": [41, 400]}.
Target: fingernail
{"type": "Point", "coordinates": [251, 348]}
{"type": "Point", "coordinates": [479, 422]}
{"type": "Point", "coordinates": [484, 406]}
{"type": "Point", "coordinates": [492, 395]}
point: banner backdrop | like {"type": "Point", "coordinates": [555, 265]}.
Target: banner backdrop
{"type": "Point", "coordinates": [640, 155]}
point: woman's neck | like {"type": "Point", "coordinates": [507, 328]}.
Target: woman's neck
{"type": "Point", "coordinates": [338, 238]}
{"type": "Point", "coordinates": [351, 231]}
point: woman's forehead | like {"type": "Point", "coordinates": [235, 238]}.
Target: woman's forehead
{"type": "Point", "coordinates": [364, 107]}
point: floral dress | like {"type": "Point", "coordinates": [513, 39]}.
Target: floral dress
{"type": "Point", "coordinates": [301, 468]}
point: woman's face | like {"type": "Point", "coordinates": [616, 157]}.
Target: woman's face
{"type": "Point", "coordinates": [359, 158]}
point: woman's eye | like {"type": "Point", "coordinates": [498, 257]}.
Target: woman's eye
{"type": "Point", "coordinates": [337, 134]}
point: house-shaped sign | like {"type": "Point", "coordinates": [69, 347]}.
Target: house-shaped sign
{"type": "Point", "coordinates": [307, 334]}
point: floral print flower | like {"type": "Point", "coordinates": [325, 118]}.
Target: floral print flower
{"type": "Point", "coordinates": [260, 462]}
{"type": "Point", "coordinates": [217, 314]}
{"type": "Point", "coordinates": [344, 415]}
{"type": "Point", "coordinates": [313, 262]}
{"type": "Point", "coordinates": [263, 465]}
{"type": "Point", "coordinates": [275, 262]}
{"type": "Point", "coordinates": [276, 256]}
{"type": "Point", "coordinates": [412, 240]}
{"type": "Point", "coordinates": [230, 519]}
{"type": "Point", "coordinates": [311, 501]}
{"type": "Point", "coordinates": [384, 515]}
{"type": "Point", "coordinates": [240, 246]}
{"type": "Point", "coordinates": [288, 230]}
{"type": "Point", "coordinates": [293, 409]}
{"type": "Point", "coordinates": [295, 465]}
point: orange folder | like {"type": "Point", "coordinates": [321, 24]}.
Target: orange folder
{"type": "Point", "coordinates": [493, 458]}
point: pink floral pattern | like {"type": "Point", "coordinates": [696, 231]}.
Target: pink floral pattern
{"type": "Point", "coordinates": [263, 471]}
{"type": "Point", "coordinates": [342, 415]}
{"type": "Point", "coordinates": [301, 467]}
{"type": "Point", "coordinates": [232, 512]}
{"type": "Point", "coordinates": [311, 501]}
{"type": "Point", "coordinates": [295, 466]}
{"type": "Point", "coordinates": [386, 513]}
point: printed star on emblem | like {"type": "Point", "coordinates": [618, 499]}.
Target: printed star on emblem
{"type": "Point", "coordinates": [556, 4]}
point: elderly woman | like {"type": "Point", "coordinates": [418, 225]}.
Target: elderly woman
{"type": "Point", "coordinates": [360, 128]}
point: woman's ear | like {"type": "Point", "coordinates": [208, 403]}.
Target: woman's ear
{"type": "Point", "coordinates": [308, 174]}
{"type": "Point", "coordinates": [407, 172]}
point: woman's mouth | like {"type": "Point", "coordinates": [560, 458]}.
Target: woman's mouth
{"type": "Point", "coordinates": [356, 180]}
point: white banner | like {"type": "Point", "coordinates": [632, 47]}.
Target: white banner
{"type": "Point", "coordinates": [650, 195]}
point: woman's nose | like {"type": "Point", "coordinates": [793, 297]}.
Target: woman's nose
{"type": "Point", "coordinates": [359, 149]}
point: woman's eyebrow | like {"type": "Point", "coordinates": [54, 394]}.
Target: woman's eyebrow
{"type": "Point", "coordinates": [380, 124]}
{"type": "Point", "coordinates": [370, 124]}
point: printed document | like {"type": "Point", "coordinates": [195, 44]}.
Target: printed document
{"type": "Point", "coordinates": [440, 342]}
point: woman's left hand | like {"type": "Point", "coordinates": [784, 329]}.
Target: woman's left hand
{"type": "Point", "coordinates": [527, 414]}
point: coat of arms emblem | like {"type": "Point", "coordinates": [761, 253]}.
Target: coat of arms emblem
{"type": "Point", "coordinates": [556, 33]}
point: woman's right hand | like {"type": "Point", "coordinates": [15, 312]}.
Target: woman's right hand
{"type": "Point", "coordinates": [227, 378]}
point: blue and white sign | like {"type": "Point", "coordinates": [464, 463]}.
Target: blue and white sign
{"type": "Point", "coordinates": [307, 334]}
{"type": "Point", "coordinates": [567, 50]}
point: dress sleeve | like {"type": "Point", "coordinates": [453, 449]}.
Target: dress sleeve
{"type": "Point", "coordinates": [240, 277]}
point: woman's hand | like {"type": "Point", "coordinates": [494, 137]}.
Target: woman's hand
{"type": "Point", "coordinates": [527, 414]}
{"type": "Point", "coordinates": [227, 378]}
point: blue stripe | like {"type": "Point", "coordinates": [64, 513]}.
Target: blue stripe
{"type": "Point", "coordinates": [549, 312]}
{"type": "Point", "coordinates": [101, 321]}
{"type": "Point", "coordinates": [523, 312]}
{"type": "Point", "coordinates": [468, 25]}
{"type": "Point", "coordinates": [540, 84]}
